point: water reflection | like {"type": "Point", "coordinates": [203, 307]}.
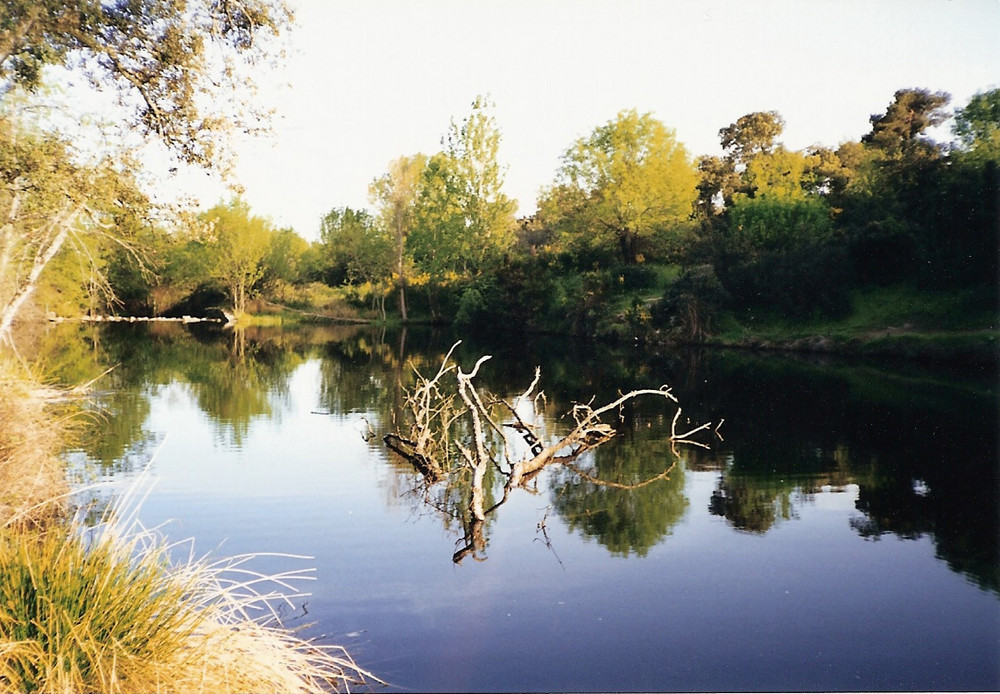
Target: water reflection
{"type": "Point", "coordinates": [626, 516]}
{"type": "Point", "coordinates": [919, 444]}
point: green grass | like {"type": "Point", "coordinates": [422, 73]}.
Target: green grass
{"type": "Point", "coordinates": [899, 319]}
{"type": "Point", "coordinates": [108, 610]}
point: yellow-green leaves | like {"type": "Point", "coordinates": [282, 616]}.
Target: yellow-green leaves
{"type": "Point", "coordinates": [627, 181]}
{"type": "Point", "coordinates": [154, 55]}
{"type": "Point", "coordinates": [241, 242]}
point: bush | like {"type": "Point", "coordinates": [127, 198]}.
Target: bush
{"type": "Point", "coordinates": [691, 304]}
{"type": "Point", "coordinates": [472, 309]}
{"type": "Point", "coordinates": [801, 283]}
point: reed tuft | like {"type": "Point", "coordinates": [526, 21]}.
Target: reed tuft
{"type": "Point", "coordinates": [109, 609]}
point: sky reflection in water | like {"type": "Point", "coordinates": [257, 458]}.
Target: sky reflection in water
{"type": "Point", "coordinates": [837, 539]}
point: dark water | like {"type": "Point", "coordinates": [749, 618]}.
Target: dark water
{"type": "Point", "coordinates": [843, 534]}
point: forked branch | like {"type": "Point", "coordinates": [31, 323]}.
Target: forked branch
{"type": "Point", "coordinates": [457, 441]}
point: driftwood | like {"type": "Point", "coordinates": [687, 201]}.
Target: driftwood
{"type": "Point", "coordinates": [456, 434]}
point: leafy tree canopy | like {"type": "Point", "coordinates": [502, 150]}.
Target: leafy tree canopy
{"type": "Point", "coordinates": [161, 56]}
{"type": "Point", "coordinates": [753, 134]}
{"type": "Point", "coordinates": [463, 221]}
{"type": "Point", "coordinates": [628, 179]}
{"type": "Point", "coordinates": [977, 126]}
{"type": "Point", "coordinates": [241, 242]}
{"type": "Point", "coordinates": [900, 130]}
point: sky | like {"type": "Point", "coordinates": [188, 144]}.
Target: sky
{"type": "Point", "coordinates": [365, 82]}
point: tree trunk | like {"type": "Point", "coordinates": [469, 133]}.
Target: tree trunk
{"type": "Point", "coordinates": [45, 253]}
{"type": "Point", "coordinates": [626, 240]}
{"type": "Point", "coordinates": [402, 299]}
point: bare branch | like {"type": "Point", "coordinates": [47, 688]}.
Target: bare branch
{"type": "Point", "coordinates": [446, 443]}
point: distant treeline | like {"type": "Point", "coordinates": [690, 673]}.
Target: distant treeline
{"type": "Point", "coordinates": [633, 234]}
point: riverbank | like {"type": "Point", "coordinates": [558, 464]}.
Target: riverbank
{"type": "Point", "coordinates": [893, 322]}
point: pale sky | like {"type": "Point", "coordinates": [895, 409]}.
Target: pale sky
{"type": "Point", "coordinates": [365, 82]}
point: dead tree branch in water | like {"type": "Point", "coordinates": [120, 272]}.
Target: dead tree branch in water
{"type": "Point", "coordinates": [458, 441]}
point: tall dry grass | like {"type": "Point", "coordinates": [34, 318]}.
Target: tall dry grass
{"type": "Point", "coordinates": [32, 481]}
{"type": "Point", "coordinates": [111, 609]}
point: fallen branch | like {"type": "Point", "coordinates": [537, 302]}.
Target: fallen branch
{"type": "Point", "coordinates": [457, 441]}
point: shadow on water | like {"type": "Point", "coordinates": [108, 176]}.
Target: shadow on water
{"type": "Point", "coordinates": [919, 444]}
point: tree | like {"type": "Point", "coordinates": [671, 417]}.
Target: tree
{"type": "Point", "coordinates": [464, 221]}
{"type": "Point", "coordinates": [628, 180]}
{"type": "Point", "coordinates": [899, 132]}
{"type": "Point", "coordinates": [156, 56]}
{"type": "Point", "coordinates": [165, 59]}
{"type": "Point", "coordinates": [751, 135]}
{"type": "Point", "coordinates": [488, 214]}
{"type": "Point", "coordinates": [395, 195]}
{"type": "Point", "coordinates": [780, 173]}
{"type": "Point", "coordinates": [47, 200]}
{"type": "Point", "coordinates": [717, 183]}
{"type": "Point", "coordinates": [977, 125]}
{"type": "Point", "coordinates": [241, 243]}
{"type": "Point", "coordinates": [283, 265]}
{"type": "Point", "coordinates": [897, 217]}
{"type": "Point", "coordinates": [356, 248]}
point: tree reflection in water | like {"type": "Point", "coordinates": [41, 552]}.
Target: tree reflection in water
{"type": "Point", "coordinates": [919, 444]}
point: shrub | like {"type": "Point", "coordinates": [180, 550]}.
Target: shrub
{"type": "Point", "coordinates": [691, 303]}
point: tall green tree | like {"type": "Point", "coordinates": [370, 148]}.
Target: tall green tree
{"type": "Point", "coordinates": [626, 181]}
{"type": "Point", "coordinates": [240, 243]}
{"type": "Point", "coordinates": [464, 220]}
{"type": "Point", "coordinates": [395, 195]}
{"type": "Point", "coordinates": [488, 214]}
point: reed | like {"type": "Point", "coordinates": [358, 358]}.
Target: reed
{"type": "Point", "coordinates": [111, 608]}
{"type": "Point", "coordinates": [32, 481]}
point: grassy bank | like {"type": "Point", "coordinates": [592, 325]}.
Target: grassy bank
{"type": "Point", "coordinates": [108, 609]}
{"type": "Point", "coordinates": [891, 321]}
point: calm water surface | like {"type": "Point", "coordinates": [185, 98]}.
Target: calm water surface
{"type": "Point", "coordinates": [842, 535]}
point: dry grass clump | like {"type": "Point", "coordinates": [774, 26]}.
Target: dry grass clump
{"type": "Point", "coordinates": [106, 610]}
{"type": "Point", "coordinates": [32, 481]}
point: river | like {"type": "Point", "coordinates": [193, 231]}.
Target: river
{"type": "Point", "coordinates": [840, 533]}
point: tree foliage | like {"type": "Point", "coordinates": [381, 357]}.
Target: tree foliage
{"type": "Point", "coordinates": [751, 135]}
{"type": "Point", "coordinates": [464, 220]}
{"type": "Point", "coordinates": [900, 131]}
{"type": "Point", "coordinates": [163, 58]}
{"type": "Point", "coordinates": [977, 125]}
{"type": "Point", "coordinates": [626, 181]}
{"type": "Point", "coordinates": [46, 201]}
{"type": "Point", "coordinates": [395, 195]}
{"type": "Point", "coordinates": [240, 243]}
